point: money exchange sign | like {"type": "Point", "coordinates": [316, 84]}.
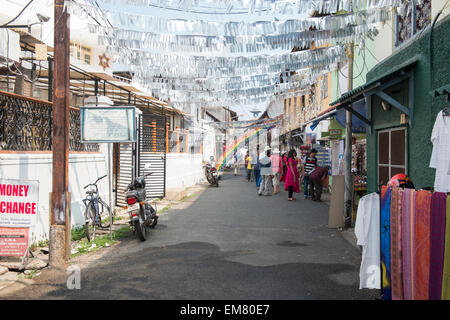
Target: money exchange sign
{"type": "Point", "coordinates": [18, 202]}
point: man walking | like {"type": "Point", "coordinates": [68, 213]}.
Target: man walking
{"type": "Point", "coordinates": [257, 168]}
{"type": "Point", "coordinates": [316, 181]}
{"type": "Point", "coordinates": [309, 164]}
{"type": "Point", "coordinates": [266, 173]}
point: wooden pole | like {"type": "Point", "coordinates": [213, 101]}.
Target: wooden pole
{"type": "Point", "coordinates": [348, 192]}
{"type": "Point", "coordinates": [59, 210]}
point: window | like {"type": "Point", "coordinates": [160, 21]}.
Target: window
{"type": "Point", "coordinates": [87, 58]}
{"type": "Point", "coordinates": [411, 20]}
{"type": "Point", "coordinates": [81, 52]}
{"type": "Point", "coordinates": [391, 153]}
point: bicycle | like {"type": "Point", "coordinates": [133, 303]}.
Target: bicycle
{"type": "Point", "coordinates": [95, 215]}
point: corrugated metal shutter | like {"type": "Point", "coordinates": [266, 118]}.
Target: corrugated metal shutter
{"type": "Point", "coordinates": [155, 183]}
{"type": "Point", "coordinates": [152, 150]}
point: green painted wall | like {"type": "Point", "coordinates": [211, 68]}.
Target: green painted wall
{"type": "Point", "coordinates": [419, 146]}
{"type": "Point", "coordinates": [363, 61]}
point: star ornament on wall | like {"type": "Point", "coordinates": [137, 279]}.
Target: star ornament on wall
{"type": "Point", "coordinates": [104, 61]}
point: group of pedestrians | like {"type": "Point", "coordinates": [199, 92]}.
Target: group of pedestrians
{"type": "Point", "coordinates": [269, 169]}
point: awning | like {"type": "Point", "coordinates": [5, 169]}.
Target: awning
{"type": "Point", "coordinates": [441, 90]}
{"type": "Point", "coordinates": [358, 125]}
{"type": "Point", "coordinates": [322, 116]}
{"type": "Point", "coordinates": [376, 86]}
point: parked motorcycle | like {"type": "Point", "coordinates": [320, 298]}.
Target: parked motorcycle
{"type": "Point", "coordinates": [211, 173]}
{"type": "Point", "coordinates": [142, 214]}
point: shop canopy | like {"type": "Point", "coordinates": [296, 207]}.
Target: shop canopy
{"type": "Point", "coordinates": [358, 126]}
{"type": "Point", "coordinates": [441, 91]}
{"type": "Point", "coordinates": [376, 87]}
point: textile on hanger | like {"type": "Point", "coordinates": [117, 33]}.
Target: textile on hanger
{"type": "Point", "coordinates": [385, 211]}
{"type": "Point", "coordinates": [446, 269]}
{"type": "Point", "coordinates": [437, 241]}
{"type": "Point", "coordinates": [408, 209]}
{"type": "Point", "coordinates": [396, 244]}
{"type": "Point", "coordinates": [367, 231]}
{"type": "Point", "coordinates": [440, 156]}
{"type": "Point", "coordinates": [421, 249]}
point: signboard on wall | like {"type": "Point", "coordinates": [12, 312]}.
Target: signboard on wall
{"type": "Point", "coordinates": [335, 133]}
{"type": "Point", "coordinates": [18, 202]}
{"type": "Point", "coordinates": [13, 241]}
{"type": "Point", "coordinates": [108, 124]}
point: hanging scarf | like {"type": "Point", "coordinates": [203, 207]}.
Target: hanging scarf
{"type": "Point", "coordinates": [437, 238]}
{"type": "Point", "coordinates": [408, 208]}
{"type": "Point", "coordinates": [446, 272]}
{"type": "Point", "coordinates": [396, 244]}
{"type": "Point", "coordinates": [386, 241]}
{"type": "Point", "coordinates": [422, 245]}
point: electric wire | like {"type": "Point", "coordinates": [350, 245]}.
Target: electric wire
{"type": "Point", "coordinates": [362, 69]}
{"type": "Point", "coordinates": [18, 15]}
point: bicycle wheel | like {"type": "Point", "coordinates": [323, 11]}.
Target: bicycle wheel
{"type": "Point", "coordinates": [104, 213]}
{"type": "Point", "coordinates": [89, 221]}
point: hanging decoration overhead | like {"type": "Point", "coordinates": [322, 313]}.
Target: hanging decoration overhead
{"type": "Point", "coordinates": [195, 53]}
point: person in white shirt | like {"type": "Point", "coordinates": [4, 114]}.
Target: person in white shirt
{"type": "Point", "coordinates": [265, 187]}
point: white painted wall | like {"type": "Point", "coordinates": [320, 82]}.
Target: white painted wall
{"type": "Point", "coordinates": [384, 42]}
{"type": "Point", "coordinates": [183, 170]}
{"type": "Point", "coordinates": [209, 142]}
{"type": "Point", "coordinates": [84, 168]}
{"type": "Point", "coordinates": [436, 6]}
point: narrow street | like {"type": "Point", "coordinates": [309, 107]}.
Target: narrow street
{"type": "Point", "coordinates": [228, 243]}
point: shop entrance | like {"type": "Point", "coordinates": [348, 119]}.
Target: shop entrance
{"type": "Point", "coordinates": [391, 153]}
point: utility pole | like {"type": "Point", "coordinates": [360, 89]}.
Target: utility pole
{"type": "Point", "coordinates": [348, 192]}
{"type": "Point", "coordinates": [59, 244]}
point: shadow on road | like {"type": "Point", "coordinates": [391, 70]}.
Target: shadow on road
{"type": "Point", "coordinates": [198, 270]}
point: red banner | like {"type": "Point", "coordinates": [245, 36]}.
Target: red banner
{"type": "Point", "coordinates": [13, 241]}
{"type": "Point", "coordinates": [18, 203]}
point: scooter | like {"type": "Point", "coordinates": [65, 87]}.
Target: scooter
{"type": "Point", "coordinates": [142, 214]}
{"type": "Point", "coordinates": [211, 173]}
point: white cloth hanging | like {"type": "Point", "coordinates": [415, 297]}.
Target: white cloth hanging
{"type": "Point", "coordinates": [367, 231]}
{"type": "Point", "coordinates": [440, 157]}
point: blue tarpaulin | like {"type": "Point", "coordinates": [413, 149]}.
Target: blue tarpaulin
{"type": "Point", "coordinates": [358, 126]}
{"type": "Point", "coordinates": [314, 125]}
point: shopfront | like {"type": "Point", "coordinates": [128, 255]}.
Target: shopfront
{"type": "Point", "coordinates": [404, 114]}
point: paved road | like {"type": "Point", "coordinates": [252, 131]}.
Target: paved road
{"type": "Point", "coordinates": [228, 244]}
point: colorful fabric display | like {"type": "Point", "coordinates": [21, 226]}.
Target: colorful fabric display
{"type": "Point", "coordinates": [396, 244]}
{"type": "Point", "coordinates": [415, 243]}
{"type": "Point", "coordinates": [437, 238]}
{"type": "Point", "coordinates": [421, 245]}
{"type": "Point", "coordinates": [408, 208]}
{"type": "Point", "coordinates": [385, 235]}
{"type": "Point", "coordinates": [446, 272]}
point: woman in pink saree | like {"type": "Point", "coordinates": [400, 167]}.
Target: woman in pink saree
{"type": "Point", "coordinates": [291, 183]}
